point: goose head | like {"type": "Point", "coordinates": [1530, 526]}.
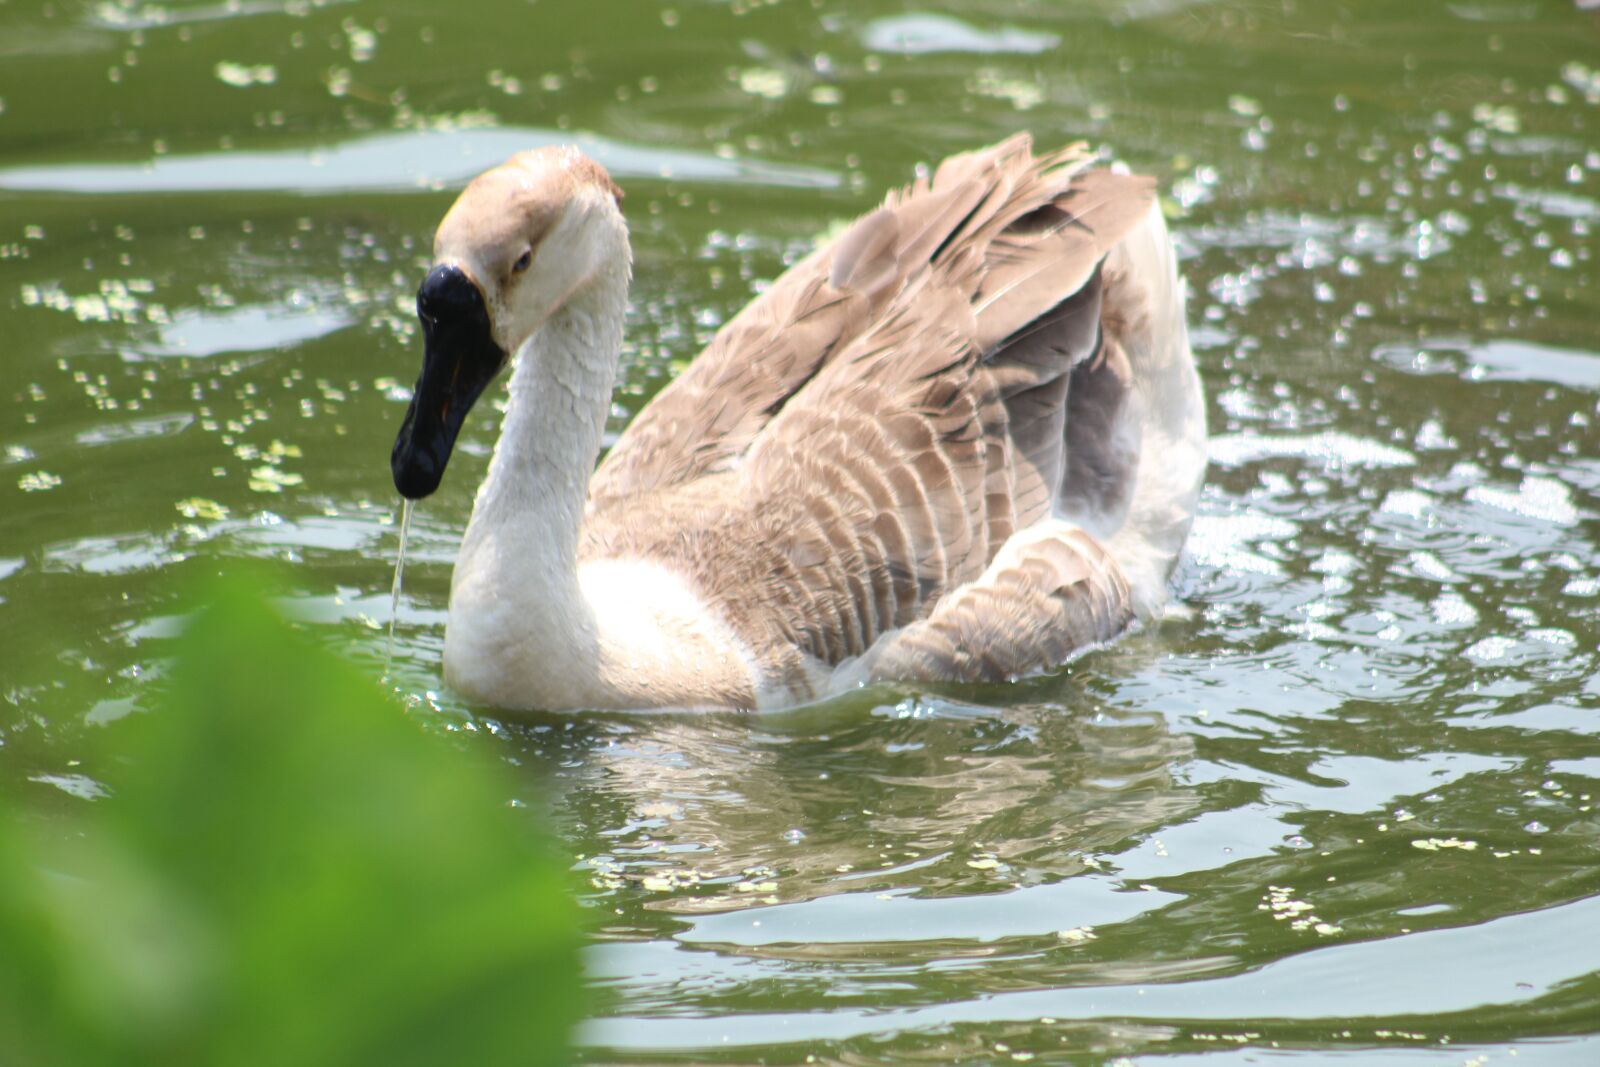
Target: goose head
{"type": "Point", "coordinates": [519, 244]}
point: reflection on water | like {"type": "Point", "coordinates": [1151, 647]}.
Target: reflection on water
{"type": "Point", "coordinates": [1339, 804]}
{"type": "Point", "coordinates": [854, 798]}
{"type": "Point", "coordinates": [418, 160]}
{"type": "Point", "coordinates": [919, 34]}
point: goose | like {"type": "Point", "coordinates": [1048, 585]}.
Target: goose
{"type": "Point", "coordinates": [963, 441]}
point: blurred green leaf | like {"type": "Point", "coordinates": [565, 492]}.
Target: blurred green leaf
{"type": "Point", "coordinates": [290, 873]}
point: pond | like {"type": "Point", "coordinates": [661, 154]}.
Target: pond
{"type": "Point", "coordinates": [1338, 806]}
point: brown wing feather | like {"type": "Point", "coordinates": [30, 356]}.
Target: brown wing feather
{"type": "Point", "coordinates": [713, 411]}
{"type": "Point", "coordinates": [1059, 597]}
{"type": "Point", "coordinates": [709, 415]}
{"type": "Point", "coordinates": [862, 439]}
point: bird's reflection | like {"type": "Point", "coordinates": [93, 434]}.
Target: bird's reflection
{"type": "Point", "coordinates": [877, 792]}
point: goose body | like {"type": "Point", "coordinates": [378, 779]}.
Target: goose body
{"type": "Point", "coordinates": [962, 441]}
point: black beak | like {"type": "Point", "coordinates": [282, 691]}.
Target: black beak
{"type": "Point", "coordinates": [459, 359]}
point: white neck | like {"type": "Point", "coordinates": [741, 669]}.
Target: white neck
{"type": "Point", "coordinates": [515, 591]}
{"type": "Point", "coordinates": [560, 396]}
{"type": "Point", "coordinates": [528, 627]}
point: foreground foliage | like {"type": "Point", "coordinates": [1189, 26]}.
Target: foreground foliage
{"type": "Point", "coordinates": [289, 872]}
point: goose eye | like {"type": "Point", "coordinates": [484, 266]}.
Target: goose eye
{"type": "Point", "coordinates": [522, 262]}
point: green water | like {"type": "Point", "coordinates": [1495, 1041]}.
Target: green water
{"type": "Point", "coordinates": [1341, 809]}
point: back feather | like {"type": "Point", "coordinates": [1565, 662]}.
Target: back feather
{"type": "Point", "coordinates": [864, 437]}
